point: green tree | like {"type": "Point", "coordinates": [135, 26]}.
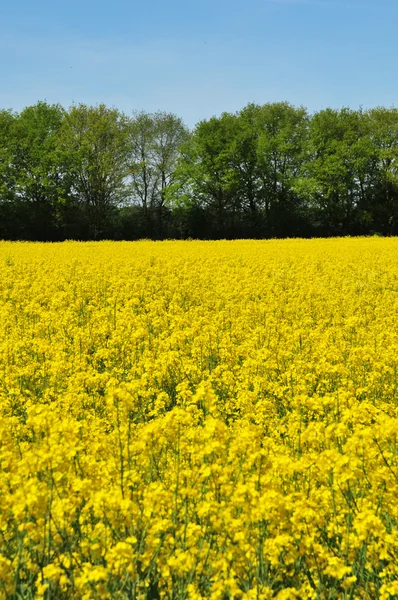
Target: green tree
{"type": "Point", "coordinates": [7, 119]}
{"type": "Point", "coordinates": [281, 150]}
{"type": "Point", "coordinates": [242, 168]}
{"type": "Point", "coordinates": [94, 144]}
{"type": "Point", "coordinates": [270, 150]}
{"type": "Point", "coordinates": [382, 205]}
{"type": "Point", "coordinates": [337, 176]}
{"type": "Point", "coordinates": [206, 178]}
{"type": "Point", "coordinates": [9, 225]}
{"type": "Point", "coordinates": [155, 143]}
{"type": "Point", "coordinates": [31, 175]}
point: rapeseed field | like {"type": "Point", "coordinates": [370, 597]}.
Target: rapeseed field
{"type": "Point", "coordinates": [187, 420]}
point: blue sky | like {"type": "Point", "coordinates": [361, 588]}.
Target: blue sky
{"type": "Point", "coordinates": [198, 58]}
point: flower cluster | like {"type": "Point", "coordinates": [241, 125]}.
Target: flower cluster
{"type": "Point", "coordinates": [187, 420]}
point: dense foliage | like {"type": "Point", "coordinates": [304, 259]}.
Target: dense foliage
{"type": "Point", "coordinates": [265, 171]}
{"type": "Point", "coordinates": [187, 420]}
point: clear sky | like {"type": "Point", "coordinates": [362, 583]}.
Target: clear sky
{"type": "Point", "coordinates": [198, 58]}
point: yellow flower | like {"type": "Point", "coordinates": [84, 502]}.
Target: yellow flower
{"type": "Point", "coordinates": [209, 417]}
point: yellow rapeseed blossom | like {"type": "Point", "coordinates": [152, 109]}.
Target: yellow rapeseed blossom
{"type": "Point", "coordinates": [192, 420]}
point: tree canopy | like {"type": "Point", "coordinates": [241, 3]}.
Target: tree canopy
{"type": "Point", "coordinates": [272, 170]}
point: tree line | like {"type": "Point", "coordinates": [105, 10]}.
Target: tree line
{"type": "Point", "coordinates": [272, 170]}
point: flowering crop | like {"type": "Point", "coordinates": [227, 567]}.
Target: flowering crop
{"type": "Point", "coordinates": [188, 420]}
